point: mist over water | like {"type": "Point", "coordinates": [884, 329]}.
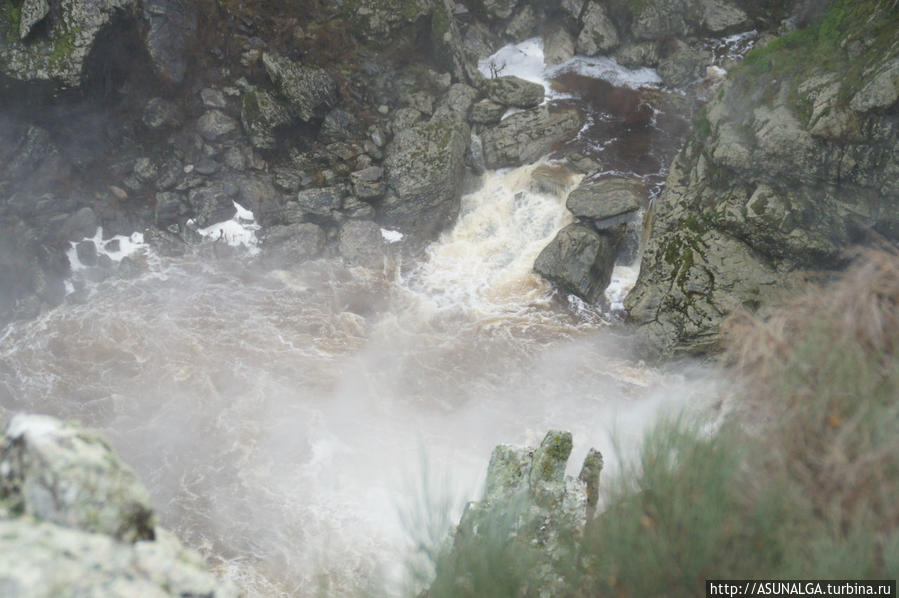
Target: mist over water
{"type": "Point", "coordinates": [281, 420]}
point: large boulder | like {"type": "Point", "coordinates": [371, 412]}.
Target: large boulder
{"type": "Point", "coordinates": [75, 521]}
{"type": "Point", "coordinates": [261, 115]}
{"type": "Point", "coordinates": [579, 260]}
{"type": "Point", "coordinates": [170, 27]}
{"type": "Point", "coordinates": [662, 19]}
{"type": "Point", "coordinates": [608, 198]}
{"type": "Point", "coordinates": [526, 136]}
{"type": "Point", "coordinates": [784, 172]}
{"type": "Point", "coordinates": [424, 167]}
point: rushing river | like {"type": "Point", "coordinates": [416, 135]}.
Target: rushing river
{"type": "Point", "coordinates": [285, 422]}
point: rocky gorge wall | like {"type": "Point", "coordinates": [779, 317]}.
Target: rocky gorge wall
{"type": "Point", "coordinates": [791, 163]}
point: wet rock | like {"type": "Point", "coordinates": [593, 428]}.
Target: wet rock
{"type": "Point", "coordinates": [640, 54]}
{"type": "Point", "coordinates": [522, 25]}
{"type": "Point", "coordinates": [514, 91]}
{"type": "Point", "coordinates": [170, 27]}
{"type": "Point", "coordinates": [284, 246]}
{"type": "Point", "coordinates": [69, 476]}
{"type": "Point", "coordinates": [261, 115]}
{"type": "Point", "coordinates": [160, 113]}
{"type": "Point", "coordinates": [457, 102]}
{"type": "Point", "coordinates": [213, 202]}
{"type": "Point", "coordinates": [881, 91]}
{"type": "Point", "coordinates": [607, 198]}
{"type": "Point", "coordinates": [377, 20]}
{"type": "Point", "coordinates": [214, 124]}
{"type": "Point", "coordinates": [309, 91]}
{"type": "Point", "coordinates": [579, 260]}
{"type": "Point", "coordinates": [448, 46]}
{"type": "Point", "coordinates": [87, 253]}
{"type": "Point", "coordinates": [558, 46]}
{"type": "Point", "coordinates": [524, 137]}
{"type": "Point", "coordinates": [404, 118]}
{"type": "Point", "coordinates": [487, 112]}
{"type": "Point", "coordinates": [165, 243]}
{"type": "Point", "coordinates": [496, 9]}
{"type": "Point", "coordinates": [320, 202]}
{"type": "Point", "coordinates": [338, 125]}
{"type": "Point", "coordinates": [368, 183]}
{"type": "Point", "coordinates": [361, 244]}
{"type": "Point", "coordinates": [598, 33]}
{"type": "Point", "coordinates": [213, 98]}
{"type": "Point", "coordinates": [79, 225]}
{"type": "Point", "coordinates": [424, 167]}
{"type": "Point", "coordinates": [686, 63]}
{"type": "Point", "coordinates": [170, 208]}
{"type": "Point", "coordinates": [75, 516]}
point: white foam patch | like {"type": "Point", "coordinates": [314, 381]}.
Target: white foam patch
{"type": "Point", "coordinates": [485, 263]}
{"type": "Point", "coordinates": [623, 280]}
{"type": "Point", "coordinates": [115, 248]}
{"type": "Point", "coordinates": [391, 236]}
{"type": "Point", "coordinates": [608, 69]}
{"type": "Point", "coordinates": [239, 231]}
{"type": "Point", "coordinates": [31, 426]}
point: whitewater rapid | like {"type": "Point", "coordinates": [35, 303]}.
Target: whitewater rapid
{"type": "Point", "coordinates": [293, 425]}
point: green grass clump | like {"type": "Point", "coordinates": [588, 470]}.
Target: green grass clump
{"type": "Point", "coordinates": [846, 39]}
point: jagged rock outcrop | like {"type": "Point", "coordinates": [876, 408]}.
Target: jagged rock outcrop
{"type": "Point", "coordinates": [75, 521]}
{"type": "Point", "coordinates": [531, 507]}
{"type": "Point", "coordinates": [792, 162]}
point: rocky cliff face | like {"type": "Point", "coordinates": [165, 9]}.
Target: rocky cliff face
{"type": "Point", "coordinates": [74, 521]}
{"type": "Point", "coordinates": [793, 161]}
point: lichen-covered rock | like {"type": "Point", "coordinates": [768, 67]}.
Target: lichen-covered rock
{"type": "Point", "coordinates": [377, 20]}
{"type": "Point", "coordinates": [530, 507]}
{"type": "Point", "coordinates": [579, 260]}
{"type": "Point", "coordinates": [514, 91]}
{"type": "Point", "coordinates": [69, 476]}
{"type": "Point", "coordinates": [661, 19]}
{"type": "Point", "coordinates": [684, 63]}
{"type": "Point", "coordinates": [261, 114]}
{"type": "Point", "coordinates": [320, 202]}
{"type": "Point", "coordinates": [781, 176]}
{"type": "Point", "coordinates": [310, 92]}
{"type": "Point", "coordinates": [424, 167]}
{"type": "Point", "coordinates": [526, 136]}
{"type": "Point", "coordinates": [75, 522]}
{"type": "Point", "coordinates": [58, 53]}
{"type": "Point", "coordinates": [448, 45]}
{"type": "Point", "coordinates": [487, 112]}
{"type": "Point", "coordinates": [598, 33]}
{"type": "Point", "coordinates": [606, 198]}
{"type": "Point", "coordinates": [368, 183]}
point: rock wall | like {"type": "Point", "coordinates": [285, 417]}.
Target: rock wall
{"type": "Point", "coordinates": [75, 521]}
{"type": "Point", "coordinates": [792, 162]}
